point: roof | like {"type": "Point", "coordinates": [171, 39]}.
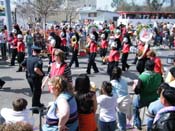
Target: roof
{"type": "Point", "coordinates": [143, 12]}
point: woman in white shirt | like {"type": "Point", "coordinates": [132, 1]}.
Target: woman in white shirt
{"type": "Point", "coordinates": [107, 104]}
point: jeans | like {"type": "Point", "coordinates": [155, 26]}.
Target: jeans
{"type": "Point", "coordinates": [137, 104]}
{"type": "Point", "coordinates": [107, 126]}
{"type": "Point", "coordinates": [153, 108]}
{"type": "Point", "coordinates": [29, 49]}
{"type": "Point", "coordinates": [121, 121]}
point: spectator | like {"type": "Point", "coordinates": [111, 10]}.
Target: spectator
{"type": "Point", "coordinates": [107, 104]}
{"type": "Point", "coordinates": [59, 68]}
{"type": "Point", "coordinates": [29, 42]}
{"type": "Point", "coordinates": [120, 90]}
{"type": "Point", "coordinates": [171, 77]}
{"type": "Point", "coordinates": [19, 126]}
{"type": "Point", "coordinates": [165, 118]}
{"type": "Point", "coordinates": [18, 113]}
{"type": "Point", "coordinates": [87, 103]}
{"type": "Point", "coordinates": [145, 88]}
{"type": "Point", "coordinates": [158, 68]}
{"type": "Point", "coordinates": [154, 107]}
{"type": "Point", "coordinates": [62, 114]}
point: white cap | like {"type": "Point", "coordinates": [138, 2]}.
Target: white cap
{"type": "Point", "coordinates": [14, 31]}
{"type": "Point", "coordinates": [62, 34]}
{"type": "Point", "coordinates": [50, 38]}
{"type": "Point", "coordinates": [125, 39]}
{"type": "Point", "coordinates": [53, 42]}
{"type": "Point", "coordinates": [92, 36]}
{"type": "Point", "coordinates": [102, 36]}
{"type": "Point", "coordinates": [19, 36]}
{"type": "Point", "coordinates": [118, 31]}
{"type": "Point", "coordinates": [174, 26]}
{"type": "Point", "coordinates": [114, 44]}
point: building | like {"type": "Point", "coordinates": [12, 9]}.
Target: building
{"type": "Point", "coordinates": [98, 16]}
{"type": "Point", "coordinates": [99, 12]}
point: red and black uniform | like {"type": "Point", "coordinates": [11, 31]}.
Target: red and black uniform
{"type": "Point", "coordinates": [104, 47]}
{"type": "Point", "coordinates": [92, 55]}
{"type": "Point", "coordinates": [158, 65]}
{"type": "Point", "coordinates": [62, 70]}
{"type": "Point", "coordinates": [141, 61]}
{"type": "Point", "coordinates": [125, 52]}
{"type": "Point", "coordinates": [75, 55]}
{"type": "Point", "coordinates": [113, 60]}
{"type": "Point", "coordinates": [21, 53]}
{"type": "Point", "coordinates": [63, 44]}
{"type": "Point", "coordinates": [14, 50]}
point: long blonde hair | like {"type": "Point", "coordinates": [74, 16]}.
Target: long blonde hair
{"type": "Point", "coordinates": [60, 83]}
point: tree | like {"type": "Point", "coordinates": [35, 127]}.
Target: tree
{"type": "Point", "coordinates": [155, 5]}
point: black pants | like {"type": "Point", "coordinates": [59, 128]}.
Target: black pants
{"type": "Point", "coordinates": [92, 63]}
{"type": "Point", "coordinates": [124, 61]}
{"type": "Point", "coordinates": [2, 82]}
{"type": "Point", "coordinates": [74, 58]}
{"type": "Point", "coordinates": [21, 56]}
{"type": "Point", "coordinates": [3, 50]}
{"type": "Point", "coordinates": [110, 67]}
{"type": "Point", "coordinates": [35, 85]}
{"type": "Point", "coordinates": [141, 65]}
{"type": "Point", "coordinates": [14, 54]}
{"type": "Point", "coordinates": [103, 52]}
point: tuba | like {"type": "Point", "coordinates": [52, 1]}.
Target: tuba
{"type": "Point", "coordinates": [73, 40]}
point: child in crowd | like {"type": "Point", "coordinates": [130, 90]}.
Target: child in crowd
{"type": "Point", "coordinates": [120, 90]}
{"type": "Point", "coordinates": [18, 113]}
{"type": "Point", "coordinates": [107, 103]}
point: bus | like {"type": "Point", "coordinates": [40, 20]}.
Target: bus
{"type": "Point", "coordinates": [146, 17]}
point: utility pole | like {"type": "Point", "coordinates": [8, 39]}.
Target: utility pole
{"type": "Point", "coordinates": [172, 3]}
{"type": "Point", "coordinates": [8, 15]}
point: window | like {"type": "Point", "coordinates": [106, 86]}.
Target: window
{"type": "Point", "coordinates": [92, 14]}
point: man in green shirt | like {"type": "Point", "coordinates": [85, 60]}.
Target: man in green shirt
{"type": "Point", "coordinates": [146, 90]}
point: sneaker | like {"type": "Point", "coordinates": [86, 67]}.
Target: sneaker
{"type": "Point", "coordinates": [96, 71]}
{"type": "Point", "coordinates": [138, 127]}
{"type": "Point", "coordinates": [19, 71]}
{"type": "Point", "coordinates": [2, 84]}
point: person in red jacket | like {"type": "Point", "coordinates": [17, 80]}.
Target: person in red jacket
{"type": "Point", "coordinates": [113, 58]}
{"type": "Point", "coordinates": [104, 47]}
{"type": "Point", "coordinates": [92, 54]}
{"type": "Point", "coordinates": [14, 47]}
{"type": "Point", "coordinates": [21, 51]}
{"type": "Point", "coordinates": [125, 52]}
{"type": "Point", "coordinates": [158, 68]}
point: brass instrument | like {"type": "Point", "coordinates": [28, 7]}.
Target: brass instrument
{"type": "Point", "coordinates": [73, 40]}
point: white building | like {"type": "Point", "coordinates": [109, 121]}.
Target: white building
{"type": "Point", "coordinates": [99, 12]}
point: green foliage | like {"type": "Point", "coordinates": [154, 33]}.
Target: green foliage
{"type": "Point", "coordinates": [140, 27]}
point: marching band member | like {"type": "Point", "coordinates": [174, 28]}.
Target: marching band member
{"type": "Point", "coordinates": [104, 47]}
{"type": "Point", "coordinates": [92, 54]}
{"type": "Point", "coordinates": [21, 51]}
{"type": "Point", "coordinates": [63, 41]}
{"type": "Point", "coordinates": [142, 52]}
{"type": "Point", "coordinates": [113, 58]}
{"type": "Point", "coordinates": [125, 52]}
{"type": "Point", "coordinates": [75, 49]}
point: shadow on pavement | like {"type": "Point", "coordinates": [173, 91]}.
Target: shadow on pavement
{"type": "Point", "coordinates": [8, 78]}
{"type": "Point", "coordinates": [25, 91]}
